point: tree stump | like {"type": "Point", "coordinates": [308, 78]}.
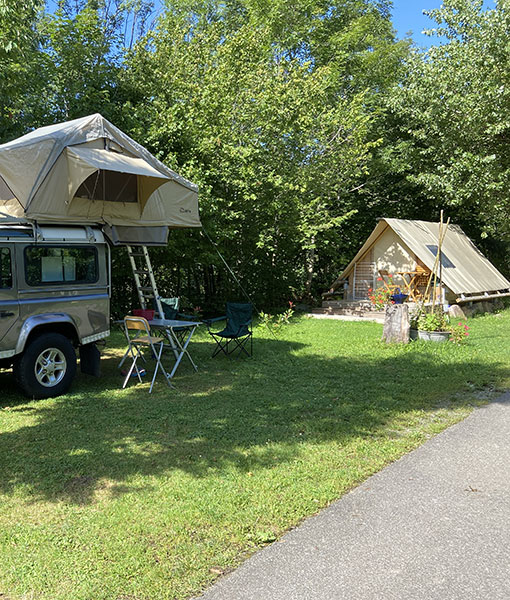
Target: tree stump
{"type": "Point", "coordinates": [396, 324]}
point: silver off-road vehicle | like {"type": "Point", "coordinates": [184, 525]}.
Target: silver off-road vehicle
{"type": "Point", "coordinates": [54, 299]}
{"type": "Point", "coordinates": [63, 188]}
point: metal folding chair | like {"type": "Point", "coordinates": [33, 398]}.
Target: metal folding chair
{"type": "Point", "coordinates": [139, 336]}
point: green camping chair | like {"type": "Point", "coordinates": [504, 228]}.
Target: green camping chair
{"type": "Point", "coordinates": [235, 336]}
{"type": "Point", "coordinates": [171, 312]}
{"type": "Point", "coordinates": [170, 307]}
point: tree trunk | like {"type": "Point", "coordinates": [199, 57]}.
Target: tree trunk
{"type": "Point", "coordinates": [396, 324]}
{"type": "Point", "coordinates": [311, 257]}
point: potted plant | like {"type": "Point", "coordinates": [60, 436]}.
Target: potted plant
{"type": "Point", "coordinates": [432, 326]}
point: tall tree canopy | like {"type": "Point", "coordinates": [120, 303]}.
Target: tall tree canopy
{"type": "Point", "coordinates": [301, 120]}
{"type": "Point", "coordinates": [453, 108]}
{"type": "Point", "coordinates": [268, 106]}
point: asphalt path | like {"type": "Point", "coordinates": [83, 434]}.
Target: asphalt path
{"type": "Point", "coordinates": [433, 525]}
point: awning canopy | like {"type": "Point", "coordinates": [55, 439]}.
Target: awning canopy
{"type": "Point", "coordinates": [88, 171]}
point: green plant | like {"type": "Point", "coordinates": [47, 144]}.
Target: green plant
{"type": "Point", "coordinates": [459, 333]}
{"type": "Point", "coordinates": [380, 297]}
{"type": "Point", "coordinates": [275, 322]}
{"type": "Point", "coordinates": [435, 320]}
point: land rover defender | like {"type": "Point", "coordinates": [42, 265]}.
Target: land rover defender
{"type": "Point", "coordinates": [54, 300]}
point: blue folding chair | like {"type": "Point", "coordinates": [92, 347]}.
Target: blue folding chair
{"type": "Point", "coordinates": [170, 307]}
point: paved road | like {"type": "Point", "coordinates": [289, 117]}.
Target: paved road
{"type": "Point", "coordinates": [434, 525]}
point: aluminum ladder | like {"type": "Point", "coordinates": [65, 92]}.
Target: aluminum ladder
{"type": "Point", "coordinates": [144, 279]}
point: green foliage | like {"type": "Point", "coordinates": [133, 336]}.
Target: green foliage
{"type": "Point", "coordinates": [432, 320]}
{"type": "Point", "coordinates": [274, 323]}
{"type": "Point", "coordinates": [301, 121]}
{"type": "Point", "coordinates": [459, 332]}
{"type": "Point", "coordinates": [265, 110]}
{"type": "Point", "coordinates": [453, 108]}
{"type": "Point", "coordinates": [20, 65]}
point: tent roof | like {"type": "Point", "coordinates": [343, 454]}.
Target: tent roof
{"type": "Point", "coordinates": [465, 269]}
{"type": "Point", "coordinates": [38, 178]}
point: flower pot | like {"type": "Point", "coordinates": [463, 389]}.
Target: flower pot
{"type": "Point", "coordinates": [433, 336]}
{"type": "Point", "coordinates": [399, 298]}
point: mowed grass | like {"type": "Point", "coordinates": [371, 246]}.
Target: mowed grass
{"type": "Point", "coordinates": [121, 495]}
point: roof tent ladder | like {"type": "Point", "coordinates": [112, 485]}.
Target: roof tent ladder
{"type": "Point", "coordinates": [144, 278]}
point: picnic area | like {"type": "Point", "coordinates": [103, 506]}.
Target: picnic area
{"type": "Point", "coordinates": [115, 493]}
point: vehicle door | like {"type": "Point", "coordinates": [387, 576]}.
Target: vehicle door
{"type": "Point", "coordinates": [9, 305]}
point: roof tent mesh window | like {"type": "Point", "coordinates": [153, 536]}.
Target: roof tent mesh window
{"type": "Point", "coordinates": [445, 261]}
{"type": "Point", "coordinates": [109, 186]}
{"type": "Point", "coordinates": [51, 265]}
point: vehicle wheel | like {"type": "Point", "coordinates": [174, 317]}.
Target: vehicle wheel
{"type": "Point", "coordinates": [47, 366]}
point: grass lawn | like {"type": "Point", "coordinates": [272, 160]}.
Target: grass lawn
{"type": "Point", "coordinates": [121, 495]}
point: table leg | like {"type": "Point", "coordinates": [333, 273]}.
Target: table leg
{"type": "Point", "coordinates": [184, 351]}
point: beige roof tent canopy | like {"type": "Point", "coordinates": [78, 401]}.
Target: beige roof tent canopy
{"type": "Point", "coordinates": [397, 245]}
{"type": "Point", "coordinates": [88, 171]}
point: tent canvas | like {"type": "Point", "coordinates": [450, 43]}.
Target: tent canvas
{"type": "Point", "coordinates": [89, 171]}
{"type": "Point", "coordinates": [466, 271]}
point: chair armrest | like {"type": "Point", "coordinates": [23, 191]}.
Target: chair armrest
{"type": "Point", "coordinates": [241, 325]}
{"type": "Point", "coordinates": [187, 317]}
{"type": "Point", "coordinates": [209, 322]}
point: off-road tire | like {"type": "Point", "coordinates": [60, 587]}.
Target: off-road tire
{"type": "Point", "coordinates": [24, 367]}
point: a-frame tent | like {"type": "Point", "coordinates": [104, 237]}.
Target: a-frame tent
{"type": "Point", "coordinates": [398, 245]}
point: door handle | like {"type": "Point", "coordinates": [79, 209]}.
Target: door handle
{"type": "Point", "coordinates": [6, 313]}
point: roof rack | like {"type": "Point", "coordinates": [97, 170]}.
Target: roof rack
{"type": "Point", "coordinates": [6, 219]}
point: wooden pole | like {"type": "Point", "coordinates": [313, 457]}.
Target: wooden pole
{"type": "Point", "coordinates": [439, 251]}
{"type": "Point", "coordinates": [438, 260]}
{"type": "Point", "coordinates": [442, 235]}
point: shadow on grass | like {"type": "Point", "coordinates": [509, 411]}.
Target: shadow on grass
{"type": "Point", "coordinates": [246, 415]}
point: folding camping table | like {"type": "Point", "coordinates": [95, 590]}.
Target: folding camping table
{"type": "Point", "coordinates": [171, 328]}
{"type": "Point", "coordinates": [179, 345]}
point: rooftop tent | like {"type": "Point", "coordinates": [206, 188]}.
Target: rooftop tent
{"type": "Point", "coordinates": [88, 171]}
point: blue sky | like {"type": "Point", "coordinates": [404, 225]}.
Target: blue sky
{"type": "Point", "coordinates": [408, 16]}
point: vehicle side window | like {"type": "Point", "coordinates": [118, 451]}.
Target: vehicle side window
{"type": "Point", "coordinates": [5, 269]}
{"type": "Point", "coordinates": [53, 265]}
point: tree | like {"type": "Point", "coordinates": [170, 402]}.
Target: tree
{"type": "Point", "coordinates": [83, 43]}
{"type": "Point", "coordinates": [269, 110]}
{"type": "Point", "coordinates": [453, 107]}
{"type": "Point", "coordinates": [19, 66]}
